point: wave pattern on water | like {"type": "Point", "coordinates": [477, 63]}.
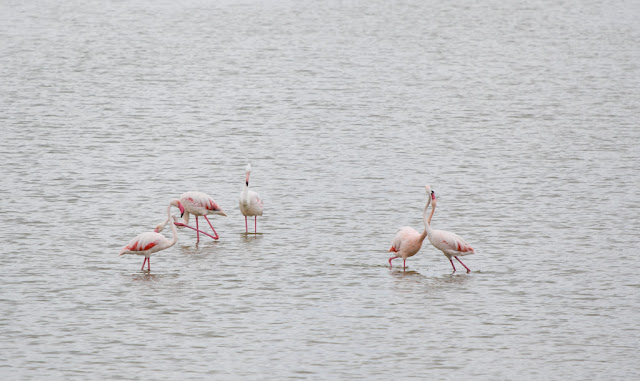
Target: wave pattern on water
{"type": "Point", "coordinates": [522, 118]}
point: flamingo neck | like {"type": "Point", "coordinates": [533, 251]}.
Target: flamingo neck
{"type": "Point", "coordinates": [245, 195]}
{"type": "Point", "coordinates": [174, 231]}
{"type": "Point", "coordinates": [427, 226]}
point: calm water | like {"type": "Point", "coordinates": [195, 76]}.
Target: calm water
{"type": "Point", "coordinates": [521, 115]}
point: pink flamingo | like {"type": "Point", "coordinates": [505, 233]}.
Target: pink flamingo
{"type": "Point", "coordinates": [451, 244]}
{"type": "Point", "coordinates": [198, 204]}
{"type": "Point", "coordinates": [250, 203]}
{"type": "Point", "coordinates": [150, 242]}
{"type": "Point", "coordinates": [408, 241]}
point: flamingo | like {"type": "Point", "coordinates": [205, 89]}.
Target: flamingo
{"type": "Point", "coordinates": [451, 244]}
{"type": "Point", "coordinates": [198, 204]}
{"type": "Point", "coordinates": [150, 242]}
{"type": "Point", "coordinates": [408, 241]}
{"type": "Point", "coordinates": [250, 203]}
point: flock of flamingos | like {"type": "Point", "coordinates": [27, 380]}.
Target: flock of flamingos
{"type": "Point", "coordinates": [406, 243]}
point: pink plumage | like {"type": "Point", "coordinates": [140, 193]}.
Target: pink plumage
{"type": "Point", "coordinates": [451, 244]}
{"type": "Point", "coordinates": [148, 243]}
{"type": "Point", "coordinates": [200, 205]}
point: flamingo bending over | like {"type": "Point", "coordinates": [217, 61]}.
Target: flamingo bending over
{"type": "Point", "coordinates": [451, 244]}
{"type": "Point", "coordinates": [198, 204]}
{"type": "Point", "coordinates": [150, 242]}
{"type": "Point", "coordinates": [408, 241]}
{"type": "Point", "coordinates": [250, 203]}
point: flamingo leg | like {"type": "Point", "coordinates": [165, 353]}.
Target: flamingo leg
{"type": "Point", "coordinates": [255, 229]}
{"type": "Point", "coordinates": [214, 230]}
{"type": "Point", "coordinates": [468, 271]}
{"type": "Point", "coordinates": [192, 228]}
{"type": "Point", "coordinates": [454, 268]}
{"type": "Point", "coordinates": [404, 264]}
{"type": "Point", "coordinates": [197, 230]}
{"type": "Point", "coordinates": [143, 262]}
{"type": "Point", "coordinates": [149, 264]}
{"type": "Point", "coordinates": [246, 227]}
{"type": "Point", "coordinates": [391, 259]}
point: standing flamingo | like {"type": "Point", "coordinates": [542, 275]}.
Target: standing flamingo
{"type": "Point", "coordinates": [150, 242]}
{"type": "Point", "coordinates": [451, 244]}
{"type": "Point", "coordinates": [408, 241]}
{"type": "Point", "coordinates": [198, 204]}
{"type": "Point", "coordinates": [250, 203]}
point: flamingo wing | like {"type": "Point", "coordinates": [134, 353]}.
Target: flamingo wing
{"type": "Point", "coordinates": [198, 202]}
{"type": "Point", "coordinates": [400, 238]}
{"type": "Point", "coordinates": [143, 242]}
{"type": "Point", "coordinates": [453, 243]}
{"type": "Point", "coordinates": [256, 203]}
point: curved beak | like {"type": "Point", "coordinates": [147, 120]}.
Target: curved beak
{"type": "Point", "coordinates": [221, 212]}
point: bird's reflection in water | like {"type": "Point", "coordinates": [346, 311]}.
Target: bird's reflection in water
{"type": "Point", "coordinates": [407, 274]}
{"type": "Point", "coordinates": [150, 277]}
{"type": "Point", "coordinates": [251, 237]}
{"type": "Point", "coordinates": [198, 248]}
{"type": "Point", "coordinates": [450, 279]}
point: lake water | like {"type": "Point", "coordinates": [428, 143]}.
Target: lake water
{"type": "Point", "coordinates": [521, 115]}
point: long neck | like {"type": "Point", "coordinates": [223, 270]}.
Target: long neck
{"type": "Point", "coordinates": [174, 231]}
{"type": "Point", "coordinates": [245, 194]}
{"type": "Point", "coordinates": [427, 227]}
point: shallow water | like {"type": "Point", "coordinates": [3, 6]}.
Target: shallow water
{"type": "Point", "coordinates": [521, 116]}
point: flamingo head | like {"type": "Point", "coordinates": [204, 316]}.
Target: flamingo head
{"type": "Point", "coordinates": [159, 227]}
{"type": "Point", "coordinates": [178, 204]}
{"type": "Point", "coordinates": [248, 171]}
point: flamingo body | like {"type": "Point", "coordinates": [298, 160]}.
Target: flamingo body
{"type": "Point", "coordinates": [146, 244]}
{"type": "Point", "coordinates": [250, 204]}
{"type": "Point", "coordinates": [406, 243]}
{"type": "Point", "coordinates": [451, 244]}
{"type": "Point", "coordinates": [199, 204]}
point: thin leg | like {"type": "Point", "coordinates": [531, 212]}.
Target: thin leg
{"type": "Point", "coordinates": [246, 227]}
{"type": "Point", "coordinates": [192, 228]}
{"type": "Point", "coordinates": [214, 230]}
{"type": "Point", "coordinates": [197, 229]}
{"type": "Point", "coordinates": [143, 262]}
{"type": "Point", "coordinates": [149, 264]}
{"type": "Point", "coordinates": [454, 268]}
{"type": "Point", "coordinates": [255, 229]}
{"type": "Point", "coordinates": [468, 271]}
{"type": "Point", "coordinates": [391, 259]}
{"type": "Point", "coordinates": [404, 264]}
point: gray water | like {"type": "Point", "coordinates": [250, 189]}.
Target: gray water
{"type": "Point", "coordinates": [521, 115]}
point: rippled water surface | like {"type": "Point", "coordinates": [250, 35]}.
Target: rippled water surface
{"type": "Point", "coordinates": [522, 116]}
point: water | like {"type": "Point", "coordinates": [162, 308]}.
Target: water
{"type": "Point", "coordinates": [522, 116]}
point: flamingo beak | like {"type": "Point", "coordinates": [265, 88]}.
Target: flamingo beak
{"type": "Point", "coordinates": [221, 212]}
{"type": "Point", "coordinates": [181, 209]}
